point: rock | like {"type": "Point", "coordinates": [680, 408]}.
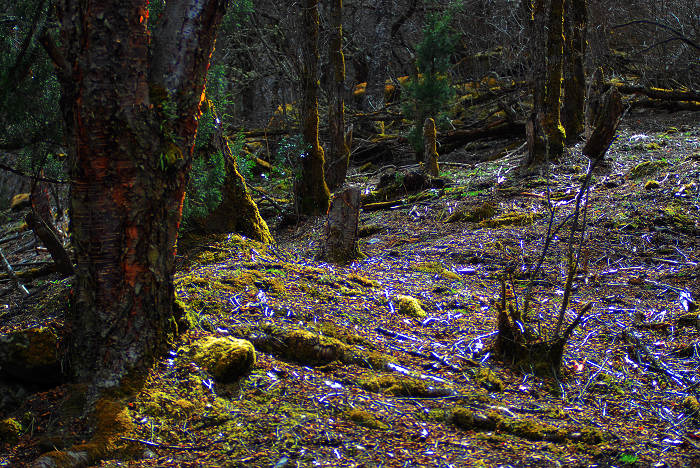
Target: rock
{"type": "Point", "coordinates": [20, 202]}
{"type": "Point", "coordinates": [30, 356]}
{"type": "Point", "coordinates": [10, 431]}
{"type": "Point", "coordinates": [410, 306]}
{"type": "Point", "coordinates": [226, 359]}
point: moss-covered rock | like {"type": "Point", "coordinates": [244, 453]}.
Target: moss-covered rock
{"type": "Point", "coordinates": [20, 202]}
{"type": "Point", "coordinates": [31, 356]}
{"type": "Point", "coordinates": [647, 168]}
{"type": "Point", "coordinates": [473, 214]}
{"type": "Point", "coordinates": [10, 430]}
{"type": "Point", "coordinates": [226, 359]}
{"type": "Point", "coordinates": [651, 184]}
{"type": "Point", "coordinates": [410, 306]}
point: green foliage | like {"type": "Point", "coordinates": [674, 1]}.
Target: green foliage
{"type": "Point", "coordinates": [290, 152]}
{"type": "Point", "coordinates": [430, 89]}
{"type": "Point", "coordinates": [30, 121]}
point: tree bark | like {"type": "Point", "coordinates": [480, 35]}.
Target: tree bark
{"type": "Point", "coordinates": [605, 126]}
{"type": "Point", "coordinates": [132, 136]}
{"type": "Point", "coordinates": [536, 153]}
{"type": "Point", "coordinates": [554, 131]}
{"type": "Point", "coordinates": [575, 23]}
{"type": "Point", "coordinates": [338, 152]}
{"type": "Point", "coordinates": [340, 245]}
{"type": "Point", "coordinates": [237, 211]}
{"type": "Point", "coordinates": [429, 142]}
{"type": "Point", "coordinates": [312, 194]}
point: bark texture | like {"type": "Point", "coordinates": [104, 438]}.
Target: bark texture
{"type": "Point", "coordinates": [340, 245]}
{"type": "Point", "coordinates": [575, 24]}
{"type": "Point", "coordinates": [312, 194]}
{"type": "Point", "coordinates": [237, 211]}
{"type": "Point", "coordinates": [132, 136]}
{"type": "Point", "coordinates": [338, 150]}
{"type": "Point", "coordinates": [430, 144]}
{"type": "Point", "coordinates": [553, 128]}
{"type": "Point", "coordinates": [605, 125]}
{"type": "Point", "coordinates": [535, 133]}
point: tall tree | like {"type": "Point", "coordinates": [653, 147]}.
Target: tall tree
{"type": "Point", "coordinates": [575, 23]}
{"type": "Point", "coordinates": [311, 192]}
{"type": "Point", "coordinates": [552, 100]}
{"type": "Point", "coordinates": [379, 60]}
{"type": "Point", "coordinates": [131, 119]}
{"type": "Point", "coordinates": [545, 134]}
{"type": "Point", "coordinates": [338, 149]}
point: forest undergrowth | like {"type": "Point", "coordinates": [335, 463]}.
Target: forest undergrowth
{"type": "Point", "coordinates": [387, 362]}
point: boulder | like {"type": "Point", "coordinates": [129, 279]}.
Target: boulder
{"type": "Point", "coordinates": [30, 356]}
{"type": "Point", "coordinates": [226, 359]}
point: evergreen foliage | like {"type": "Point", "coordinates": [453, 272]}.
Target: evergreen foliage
{"type": "Point", "coordinates": [430, 89]}
{"type": "Point", "coordinates": [208, 171]}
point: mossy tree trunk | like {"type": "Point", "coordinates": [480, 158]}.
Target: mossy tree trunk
{"type": "Point", "coordinates": [237, 211]}
{"type": "Point", "coordinates": [132, 124]}
{"type": "Point", "coordinates": [338, 150]}
{"type": "Point", "coordinates": [575, 24]}
{"type": "Point", "coordinates": [430, 145]}
{"type": "Point", "coordinates": [553, 128]}
{"type": "Point", "coordinates": [535, 133]}
{"type": "Point", "coordinates": [311, 192]}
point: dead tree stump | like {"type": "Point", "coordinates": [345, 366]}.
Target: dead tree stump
{"type": "Point", "coordinates": [429, 142]}
{"type": "Point", "coordinates": [605, 125]}
{"type": "Point", "coordinates": [340, 244]}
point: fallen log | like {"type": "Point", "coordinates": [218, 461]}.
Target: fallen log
{"type": "Point", "coordinates": [49, 238]}
{"type": "Point", "coordinates": [659, 93]}
{"type": "Point", "coordinates": [499, 128]}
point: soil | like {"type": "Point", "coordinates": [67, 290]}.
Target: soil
{"type": "Point", "coordinates": [430, 391]}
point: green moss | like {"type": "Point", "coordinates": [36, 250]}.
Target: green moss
{"type": "Point", "coordinates": [691, 405]}
{"type": "Point", "coordinates": [647, 168]}
{"type": "Point", "coordinates": [226, 359]}
{"type": "Point", "coordinates": [473, 214]}
{"type": "Point", "coordinates": [488, 380]}
{"type": "Point", "coordinates": [402, 386]}
{"type": "Point", "coordinates": [651, 184]}
{"type": "Point", "coordinates": [437, 268]}
{"type": "Point", "coordinates": [653, 146]}
{"type": "Point", "coordinates": [363, 281]}
{"type": "Point", "coordinates": [510, 219]}
{"type": "Point", "coordinates": [365, 419]}
{"type": "Point", "coordinates": [10, 430]}
{"type": "Point", "coordinates": [410, 306]}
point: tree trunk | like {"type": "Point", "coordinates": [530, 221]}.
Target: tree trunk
{"type": "Point", "coordinates": [552, 101]}
{"type": "Point", "coordinates": [575, 23]}
{"type": "Point", "coordinates": [340, 245]}
{"type": "Point", "coordinates": [429, 142]}
{"type": "Point", "coordinates": [338, 152]}
{"type": "Point", "coordinates": [237, 211]}
{"type": "Point", "coordinates": [312, 195]}
{"type": "Point", "coordinates": [605, 125]}
{"type": "Point", "coordinates": [535, 133]}
{"type": "Point", "coordinates": [376, 79]}
{"type": "Point", "coordinates": [132, 136]}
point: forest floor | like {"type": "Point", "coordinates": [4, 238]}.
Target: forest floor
{"type": "Point", "coordinates": [367, 385]}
